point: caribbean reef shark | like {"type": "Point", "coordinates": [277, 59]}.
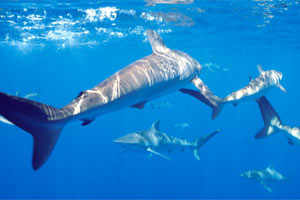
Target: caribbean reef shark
{"type": "Point", "coordinates": [257, 88]}
{"type": "Point", "coordinates": [264, 176]}
{"type": "Point", "coordinates": [155, 142]}
{"type": "Point", "coordinates": [156, 75]}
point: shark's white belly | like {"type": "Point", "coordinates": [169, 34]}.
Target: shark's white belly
{"type": "Point", "coordinates": [247, 94]}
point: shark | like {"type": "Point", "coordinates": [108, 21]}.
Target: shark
{"type": "Point", "coordinates": [273, 123]}
{"type": "Point", "coordinates": [162, 105]}
{"type": "Point", "coordinates": [181, 125]}
{"type": "Point", "coordinates": [264, 176]}
{"type": "Point", "coordinates": [158, 74]}
{"type": "Point", "coordinates": [156, 142]}
{"type": "Point", "coordinates": [256, 88]}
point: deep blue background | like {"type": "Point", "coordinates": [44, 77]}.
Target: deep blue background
{"type": "Point", "coordinates": [59, 48]}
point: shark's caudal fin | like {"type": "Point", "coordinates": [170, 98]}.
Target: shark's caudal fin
{"type": "Point", "coordinates": [43, 122]}
{"type": "Point", "coordinates": [201, 141]}
{"type": "Point", "coordinates": [206, 96]}
{"type": "Point", "coordinates": [270, 117]}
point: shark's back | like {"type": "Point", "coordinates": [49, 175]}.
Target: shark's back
{"type": "Point", "coordinates": [163, 71]}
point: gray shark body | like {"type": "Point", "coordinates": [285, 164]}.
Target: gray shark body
{"type": "Point", "coordinates": [257, 88]}
{"type": "Point", "coordinates": [264, 176]}
{"type": "Point", "coordinates": [273, 123]}
{"type": "Point", "coordinates": [162, 72]}
{"type": "Point", "coordinates": [156, 142]}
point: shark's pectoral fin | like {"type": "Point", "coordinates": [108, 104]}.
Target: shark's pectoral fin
{"type": "Point", "coordinates": [266, 187]}
{"type": "Point", "coordinates": [87, 121]}
{"type": "Point", "coordinates": [158, 154]}
{"type": "Point", "coordinates": [140, 105]}
{"type": "Point", "coordinates": [196, 154]}
{"type": "Point", "coordinates": [281, 88]}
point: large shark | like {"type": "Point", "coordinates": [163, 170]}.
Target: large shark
{"type": "Point", "coordinates": [257, 88]}
{"type": "Point", "coordinates": [155, 142]}
{"type": "Point", "coordinates": [273, 123]}
{"type": "Point", "coordinates": [264, 176]}
{"type": "Point", "coordinates": [162, 72]}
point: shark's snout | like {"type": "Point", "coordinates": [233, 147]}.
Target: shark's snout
{"type": "Point", "coordinates": [128, 139]}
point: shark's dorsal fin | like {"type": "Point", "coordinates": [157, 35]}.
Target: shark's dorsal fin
{"type": "Point", "coordinates": [155, 125]}
{"type": "Point", "coordinates": [157, 44]}
{"type": "Point", "coordinates": [260, 69]}
{"type": "Point", "coordinates": [270, 166]}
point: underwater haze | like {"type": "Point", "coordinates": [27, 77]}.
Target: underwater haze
{"type": "Point", "coordinates": [59, 48]}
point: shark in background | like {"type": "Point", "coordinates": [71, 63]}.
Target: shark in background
{"type": "Point", "coordinates": [257, 88]}
{"type": "Point", "coordinates": [158, 74]}
{"type": "Point", "coordinates": [161, 105]}
{"type": "Point", "coordinates": [155, 142]}
{"type": "Point", "coordinates": [273, 124]}
{"type": "Point", "coordinates": [181, 125]}
{"type": "Point", "coordinates": [264, 176]}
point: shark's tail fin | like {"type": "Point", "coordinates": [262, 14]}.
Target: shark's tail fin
{"type": "Point", "coordinates": [42, 121]}
{"type": "Point", "coordinates": [270, 117]}
{"type": "Point", "coordinates": [201, 141]}
{"type": "Point", "coordinates": [206, 96]}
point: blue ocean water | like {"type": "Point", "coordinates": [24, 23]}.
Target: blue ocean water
{"type": "Point", "coordinates": [60, 48]}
